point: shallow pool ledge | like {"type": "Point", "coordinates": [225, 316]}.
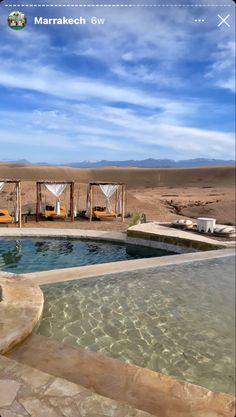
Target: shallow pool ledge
{"type": "Point", "coordinates": [89, 271]}
{"type": "Point", "coordinates": [21, 306]}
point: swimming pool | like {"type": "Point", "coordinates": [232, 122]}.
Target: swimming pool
{"type": "Point", "coordinates": [178, 320]}
{"type": "Point", "coordinates": [41, 254]}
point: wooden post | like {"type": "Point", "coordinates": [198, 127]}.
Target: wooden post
{"type": "Point", "coordinates": [91, 202]}
{"type": "Point", "coordinates": [72, 217]}
{"type": "Point", "coordinates": [77, 202]}
{"type": "Point", "coordinates": [37, 201]}
{"type": "Point", "coordinates": [19, 205]}
{"type": "Point", "coordinates": [123, 203]}
{"type": "Point", "coordinates": [40, 199]}
{"type": "Point", "coordinates": [116, 202]}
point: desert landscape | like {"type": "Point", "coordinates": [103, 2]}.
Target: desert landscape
{"type": "Point", "coordinates": [162, 194]}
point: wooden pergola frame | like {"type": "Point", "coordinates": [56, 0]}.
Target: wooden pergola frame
{"type": "Point", "coordinates": [123, 191]}
{"type": "Point", "coordinates": [18, 198]}
{"type": "Point", "coordinates": [39, 196]}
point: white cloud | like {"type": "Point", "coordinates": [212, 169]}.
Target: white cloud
{"type": "Point", "coordinates": [103, 129]}
{"type": "Point", "coordinates": [63, 85]}
{"type": "Point", "coordinates": [222, 71]}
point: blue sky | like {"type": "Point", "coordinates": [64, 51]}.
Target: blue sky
{"type": "Point", "coordinates": [149, 83]}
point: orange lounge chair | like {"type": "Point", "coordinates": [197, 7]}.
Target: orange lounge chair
{"type": "Point", "coordinates": [100, 212]}
{"type": "Point", "coordinates": [52, 214]}
{"type": "Point", "coordinates": [5, 217]}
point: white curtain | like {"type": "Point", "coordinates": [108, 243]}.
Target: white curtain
{"type": "Point", "coordinates": [56, 190]}
{"type": "Point", "coordinates": [87, 213]}
{"type": "Point", "coordinates": [1, 185]}
{"type": "Point", "coordinates": [108, 190]}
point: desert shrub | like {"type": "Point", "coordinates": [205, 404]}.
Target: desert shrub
{"type": "Point", "coordinates": [82, 213]}
{"type": "Point", "coordinates": [135, 219]}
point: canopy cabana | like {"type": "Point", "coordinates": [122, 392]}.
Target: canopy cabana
{"type": "Point", "coordinates": [110, 191]}
{"type": "Point", "coordinates": [6, 216]}
{"type": "Point", "coordinates": [58, 211]}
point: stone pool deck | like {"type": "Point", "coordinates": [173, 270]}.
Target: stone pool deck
{"type": "Point", "coordinates": [28, 392]}
{"type": "Point", "coordinates": [157, 235]}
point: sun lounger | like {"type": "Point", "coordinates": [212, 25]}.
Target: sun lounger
{"type": "Point", "coordinates": [5, 217]}
{"type": "Point", "coordinates": [50, 212]}
{"type": "Point", "coordinates": [100, 212]}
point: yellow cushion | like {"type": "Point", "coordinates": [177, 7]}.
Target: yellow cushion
{"type": "Point", "coordinates": [52, 213]}
{"type": "Point", "coordinates": [6, 218]}
{"type": "Point", "coordinates": [5, 212]}
{"type": "Point", "coordinates": [104, 214]}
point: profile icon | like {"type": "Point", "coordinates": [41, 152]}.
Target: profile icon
{"type": "Point", "coordinates": [17, 20]}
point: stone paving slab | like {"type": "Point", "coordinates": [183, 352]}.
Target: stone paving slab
{"type": "Point", "coordinates": [26, 391]}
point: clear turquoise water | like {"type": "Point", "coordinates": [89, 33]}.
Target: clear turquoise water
{"type": "Point", "coordinates": [40, 254]}
{"type": "Point", "coordinates": [178, 320]}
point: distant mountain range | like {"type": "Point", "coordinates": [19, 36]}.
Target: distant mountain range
{"type": "Point", "coordinates": [155, 163]}
{"type": "Point", "coordinates": [146, 163]}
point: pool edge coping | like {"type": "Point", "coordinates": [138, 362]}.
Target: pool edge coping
{"type": "Point", "coordinates": [64, 233]}
{"type": "Point", "coordinates": [90, 271]}
{"type": "Point", "coordinates": [25, 298]}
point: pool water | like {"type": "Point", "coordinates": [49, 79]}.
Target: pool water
{"type": "Point", "coordinates": [178, 320]}
{"type": "Point", "coordinates": [40, 254]}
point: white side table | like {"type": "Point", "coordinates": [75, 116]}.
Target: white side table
{"type": "Point", "coordinates": [205, 224]}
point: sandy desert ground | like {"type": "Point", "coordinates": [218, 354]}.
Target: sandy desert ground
{"type": "Point", "coordinates": [162, 194]}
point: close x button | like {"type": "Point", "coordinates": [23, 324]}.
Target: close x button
{"type": "Point", "coordinates": [223, 20]}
